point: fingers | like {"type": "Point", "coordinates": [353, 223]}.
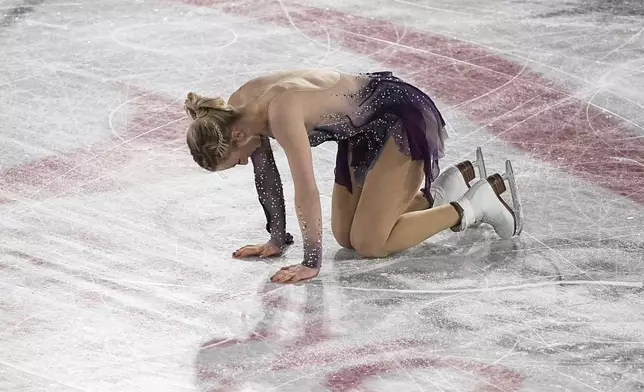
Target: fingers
{"type": "Point", "coordinates": [291, 274]}
{"type": "Point", "coordinates": [249, 250]}
{"type": "Point", "coordinates": [284, 275]}
{"type": "Point", "coordinates": [269, 251]}
{"type": "Point", "coordinates": [240, 253]}
{"type": "Point", "coordinates": [257, 250]}
{"type": "Point", "coordinates": [294, 273]}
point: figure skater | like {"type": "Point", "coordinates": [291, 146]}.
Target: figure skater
{"type": "Point", "coordinates": [390, 137]}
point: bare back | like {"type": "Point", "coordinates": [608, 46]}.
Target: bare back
{"type": "Point", "coordinates": [319, 92]}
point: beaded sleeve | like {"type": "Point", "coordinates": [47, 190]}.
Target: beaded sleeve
{"type": "Point", "coordinates": [270, 193]}
{"type": "Point", "coordinates": [312, 251]}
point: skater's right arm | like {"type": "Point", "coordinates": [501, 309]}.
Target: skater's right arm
{"type": "Point", "coordinates": [270, 193]}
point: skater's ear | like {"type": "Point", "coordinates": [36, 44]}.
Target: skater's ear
{"type": "Point", "coordinates": [238, 134]}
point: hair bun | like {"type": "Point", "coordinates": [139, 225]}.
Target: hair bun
{"type": "Point", "coordinates": [198, 106]}
{"type": "Point", "coordinates": [191, 104]}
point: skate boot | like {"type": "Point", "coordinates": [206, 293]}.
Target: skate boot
{"type": "Point", "coordinates": [482, 203]}
{"type": "Point", "coordinates": [454, 181]}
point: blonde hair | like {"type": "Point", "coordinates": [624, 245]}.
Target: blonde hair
{"type": "Point", "coordinates": [209, 136]}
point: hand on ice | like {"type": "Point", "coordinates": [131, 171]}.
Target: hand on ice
{"type": "Point", "coordinates": [265, 250]}
{"type": "Point", "coordinates": [294, 273]}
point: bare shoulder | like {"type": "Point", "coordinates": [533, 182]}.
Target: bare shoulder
{"type": "Point", "coordinates": [286, 119]}
{"type": "Point", "coordinates": [296, 79]}
{"type": "Point", "coordinates": [264, 88]}
{"type": "Point", "coordinates": [288, 87]}
{"type": "Point", "coordinates": [310, 79]}
{"type": "Point", "coordinates": [235, 98]}
{"type": "Point", "coordinates": [284, 106]}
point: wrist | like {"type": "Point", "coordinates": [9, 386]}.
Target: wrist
{"type": "Point", "coordinates": [311, 264]}
{"type": "Point", "coordinates": [281, 241]}
{"type": "Point", "coordinates": [313, 256]}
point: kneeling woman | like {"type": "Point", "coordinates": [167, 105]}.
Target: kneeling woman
{"type": "Point", "coordinates": [390, 138]}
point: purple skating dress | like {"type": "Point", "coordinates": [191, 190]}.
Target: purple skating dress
{"type": "Point", "coordinates": [385, 107]}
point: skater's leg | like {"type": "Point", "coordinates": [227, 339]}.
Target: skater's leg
{"type": "Point", "coordinates": [343, 208]}
{"type": "Point", "coordinates": [380, 225]}
{"type": "Point", "coordinates": [451, 184]}
{"type": "Point", "coordinates": [419, 203]}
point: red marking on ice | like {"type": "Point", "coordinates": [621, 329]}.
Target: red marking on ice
{"type": "Point", "coordinates": [550, 125]}
{"type": "Point", "coordinates": [93, 169]}
{"type": "Point", "coordinates": [492, 378]}
{"type": "Point", "coordinates": [534, 114]}
{"type": "Point", "coordinates": [307, 350]}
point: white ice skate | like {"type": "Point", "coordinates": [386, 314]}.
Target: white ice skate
{"type": "Point", "coordinates": [454, 181]}
{"type": "Point", "coordinates": [482, 203]}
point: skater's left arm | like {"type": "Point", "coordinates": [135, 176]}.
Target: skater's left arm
{"type": "Point", "coordinates": [287, 126]}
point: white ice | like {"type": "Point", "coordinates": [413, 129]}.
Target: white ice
{"type": "Point", "coordinates": [116, 270]}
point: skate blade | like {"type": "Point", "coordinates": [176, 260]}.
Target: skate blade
{"type": "Point", "coordinates": [516, 199]}
{"type": "Point", "coordinates": [480, 163]}
{"type": "Point", "coordinates": [480, 166]}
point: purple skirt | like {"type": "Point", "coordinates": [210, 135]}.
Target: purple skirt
{"type": "Point", "coordinates": [385, 107]}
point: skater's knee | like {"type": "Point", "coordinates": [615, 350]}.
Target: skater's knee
{"type": "Point", "coordinates": [343, 239]}
{"type": "Point", "coordinates": [342, 234]}
{"type": "Point", "coordinates": [367, 245]}
{"type": "Point", "coordinates": [371, 250]}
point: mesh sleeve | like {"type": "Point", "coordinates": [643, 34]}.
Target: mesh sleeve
{"type": "Point", "coordinates": [270, 193]}
{"type": "Point", "coordinates": [312, 252]}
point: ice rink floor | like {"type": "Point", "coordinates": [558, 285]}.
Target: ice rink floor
{"type": "Point", "coordinates": [116, 271]}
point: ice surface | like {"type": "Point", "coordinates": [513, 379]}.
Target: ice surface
{"type": "Point", "coordinates": [116, 269]}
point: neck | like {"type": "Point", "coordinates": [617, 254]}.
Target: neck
{"type": "Point", "coordinates": [253, 120]}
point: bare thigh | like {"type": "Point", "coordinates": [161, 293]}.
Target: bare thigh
{"type": "Point", "coordinates": [389, 188]}
{"type": "Point", "coordinates": [343, 208]}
